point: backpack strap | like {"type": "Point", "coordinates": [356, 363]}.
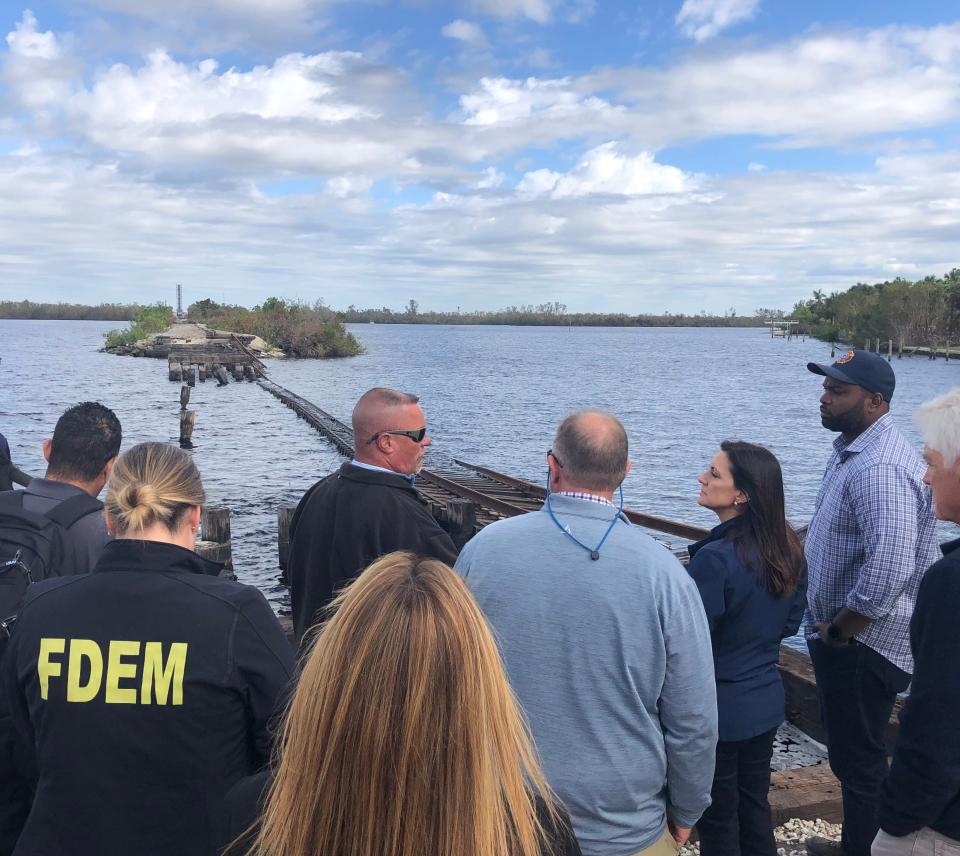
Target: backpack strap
{"type": "Point", "coordinates": [71, 510]}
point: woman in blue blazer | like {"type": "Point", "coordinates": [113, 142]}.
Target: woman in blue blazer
{"type": "Point", "coordinates": [751, 574]}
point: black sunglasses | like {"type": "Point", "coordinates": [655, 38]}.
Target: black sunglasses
{"type": "Point", "coordinates": [416, 435]}
{"type": "Point", "coordinates": [559, 462]}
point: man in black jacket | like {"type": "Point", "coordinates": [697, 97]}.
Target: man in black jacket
{"type": "Point", "coordinates": [920, 801]}
{"type": "Point", "coordinates": [368, 508]}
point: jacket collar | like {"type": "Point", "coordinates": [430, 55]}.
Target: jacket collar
{"type": "Point", "coordinates": [129, 554]}
{"type": "Point", "coordinates": [385, 478]}
{"type": "Point", "coordinates": [949, 546]}
{"type": "Point", "coordinates": [716, 534]}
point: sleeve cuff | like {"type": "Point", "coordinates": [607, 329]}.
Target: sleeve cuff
{"type": "Point", "coordinates": [866, 607]}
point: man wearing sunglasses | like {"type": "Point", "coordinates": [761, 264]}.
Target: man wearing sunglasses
{"type": "Point", "coordinates": [366, 509]}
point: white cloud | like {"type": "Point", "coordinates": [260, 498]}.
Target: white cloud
{"type": "Point", "coordinates": [25, 40]}
{"type": "Point", "coordinates": [753, 166]}
{"type": "Point", "coordinates": [465, 31]}
{"type": "Point", "coordinates": [703, 19]}
{"type": "Point", "coordinates": [492, 178]}
{"type": "Point", "coordinates": [605, 169]}
{"type": "Point", "coordinates": [536, 10]}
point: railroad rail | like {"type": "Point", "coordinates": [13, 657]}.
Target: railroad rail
{"type": "Point", "coordinates": [492, 494]}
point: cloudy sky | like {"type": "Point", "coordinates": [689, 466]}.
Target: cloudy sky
{"type": "Point", "coordinates": [616, 156]}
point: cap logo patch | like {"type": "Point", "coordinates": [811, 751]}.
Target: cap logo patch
{"type": "Point", "coordinates": [849, 355]}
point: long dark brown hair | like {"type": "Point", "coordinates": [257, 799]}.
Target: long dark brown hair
{"type": "Point", "coordinates": [765, 533]}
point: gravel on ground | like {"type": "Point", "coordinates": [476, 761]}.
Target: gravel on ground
{"type": "Point", "coordinates": [790, 837]}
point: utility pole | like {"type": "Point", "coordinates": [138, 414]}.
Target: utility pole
{"type": "Point", "coordinates": [179, 301]}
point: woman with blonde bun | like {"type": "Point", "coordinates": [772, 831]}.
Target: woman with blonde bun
{"type": "Point", "coordinates": [403, 737]}
{"type": "Point", "coordinates": [143, 690]}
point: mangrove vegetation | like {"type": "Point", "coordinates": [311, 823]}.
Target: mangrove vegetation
{"type": "Point", "coordinates": [922, 313]}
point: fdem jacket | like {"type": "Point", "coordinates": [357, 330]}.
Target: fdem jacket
{"type": "Point", "coordinates": [348, 520]}
{"type": "Point", "coordinates": [144, 690]}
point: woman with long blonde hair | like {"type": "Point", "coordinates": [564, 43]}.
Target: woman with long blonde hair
{"type": "Point", "coordinates": [403, 737]}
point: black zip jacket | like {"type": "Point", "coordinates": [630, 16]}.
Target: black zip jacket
{"type": "Point", "coordinates": [348, 520]}
{"type": "Point", "coordinates": [145, 690]}
{"type": "Point", "coordinates": [923, 787]}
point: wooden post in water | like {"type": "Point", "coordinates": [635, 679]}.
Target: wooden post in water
{"type": "Point", "coordinates": [889, 350]}
{"type": "Point", "coordinates": [833, 350]}
{"type": "Point", "coordinates": [284, 519]}
{"type": "Point", "coordinates": [878, 345]}
{"type": "Point", "coordinates": [237, 372]}
{"type": "Point", "coordinates": [191, 376]}
{"type": "Point", "coordinates": [176, 372]}
{"type": "Point", "coordinates": [184, 397]}
{"type": "Point", "coordinates": [201, 372]}
{"type": "Point", "coordinates": [249, 373]}
{"type": "Point", "coordinates": [946, 350]}
{"type": "Point", "coordinates": [867, 346]}
{"type": "Point", "coordinates": [188, 419]}
{"type": "Point", "coordinates": [461, 517]}
{"type": "Point", "coordinates": [215, 543]}
{"type": "Point", "coordinates": [220, 373]}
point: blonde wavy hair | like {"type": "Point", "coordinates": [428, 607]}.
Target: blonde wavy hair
{"type": "Point", "coordinates": [152, 483]}
{"type": "Point", "coordinates": [403, 737]}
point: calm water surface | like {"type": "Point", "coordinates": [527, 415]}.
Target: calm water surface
{"type": "Point", "coordinates": [492, 395]}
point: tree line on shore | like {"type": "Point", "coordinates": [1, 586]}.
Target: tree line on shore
{"type": "Point", "coordinates": [924, 313]}
{"type": "Point", "coordinates": [28, 310]}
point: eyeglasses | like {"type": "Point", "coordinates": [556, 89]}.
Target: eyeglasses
{"type": "Point", "coordinates": [416, 435]}
{"type": "Point", "coordinates": [559, 462]}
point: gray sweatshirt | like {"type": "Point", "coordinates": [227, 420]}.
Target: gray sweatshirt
{"type": "Point", "coordinates": [612, 663]}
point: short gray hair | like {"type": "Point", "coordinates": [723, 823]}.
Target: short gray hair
{"type": "Point", "coordinates": [592, 448]}
{"type": "Point", "coordinates": [372, 411]}
{"type": "Point", "coordinates": [939, 422]}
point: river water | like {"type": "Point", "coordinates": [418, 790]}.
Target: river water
{"type": "Point", "coordinates": [493, 396]}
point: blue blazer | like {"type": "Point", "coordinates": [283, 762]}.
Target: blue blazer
{"type": "Point", "coordinates": [746, 626]}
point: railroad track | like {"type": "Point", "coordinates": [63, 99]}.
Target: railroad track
{"type": "Point", "coordinates": [494, 495]}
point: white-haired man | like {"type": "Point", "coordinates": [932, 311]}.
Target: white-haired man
{"type": "Point", "coordinates": [920, 800]}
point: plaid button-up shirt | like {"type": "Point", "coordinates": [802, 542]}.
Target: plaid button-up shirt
{"type": "Point", "coordinates": [871, 538]}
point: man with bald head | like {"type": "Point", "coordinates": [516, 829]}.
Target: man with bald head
{"type": "Point", "coordinates": [368, 508]}
{"type": "Point", "coordinates": [607, 647]}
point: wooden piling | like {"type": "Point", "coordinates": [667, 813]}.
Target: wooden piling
{"type": "Point", "coordinates": [249, 373]}
{"type": "Point", "coordinates": [191, 376]}
{"type": "Point", "coordinates": [188, 419]}
{"type": "Point", "coordinates": [184, 397]}
{"type": "Point", "coordinates": [866, 347]}
{"type": "Point", "coordinates": [215, 543]}
{"type": "Point", "coordinates": [878, 345]}
{"type": "Point", "coordinates": [900, 349]}
{"type": "Point", "coordinates": [176, 372]}
{"type": "Point", "coordinates": [833, 350]}
{"type": "Point", "coordinates": [220, 373]}
{"type": "Point", "coordinates": [237, 372]}
{"type": "Point", "coordinates": [201, 372]}
{"type": "Point", "coordinates": [889, 350]}
{"type": "Point", "coordinates": [284, 519]}
{"type": "Point", "coordinates": [461, 519]}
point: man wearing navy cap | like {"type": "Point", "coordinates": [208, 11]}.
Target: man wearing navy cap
{"type": "Point", "coordinates": [869, 543]}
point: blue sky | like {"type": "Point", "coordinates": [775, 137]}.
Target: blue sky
{"type": "Point", "coordinates": [685, 155]}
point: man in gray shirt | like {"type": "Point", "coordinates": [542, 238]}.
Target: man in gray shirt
{"type": "Point", "coordinates": [607, 647]}
{"type": "Point", "coordinates": [80, 455]}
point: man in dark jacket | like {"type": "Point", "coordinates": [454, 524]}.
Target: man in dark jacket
{"type": "Point", "coordinates": [920, 800]}
{"type": "Point", "coordinates": [10, 474]}
{"type": "Point", "coordinates": [368, 508]}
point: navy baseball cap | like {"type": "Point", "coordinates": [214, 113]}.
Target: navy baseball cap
{"type": "Point", "coordinates": [863, 368]}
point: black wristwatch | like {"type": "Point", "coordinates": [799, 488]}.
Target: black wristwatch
{"type": "Point", "coordinates": [833, 633]}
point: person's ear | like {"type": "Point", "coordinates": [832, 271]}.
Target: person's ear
{"type": "Point", "coordinates": [47, 446]}
{"type": "Point", "coordinates": [629, 467]}
{"type": "Point", "coordinates": [193, 518]}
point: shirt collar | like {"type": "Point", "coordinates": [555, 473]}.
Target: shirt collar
{"type": "Point", "coordinates": [858, 444]}
{"type": "Point", "coordinates": [718, 532]}
{"type": "Point", "coordinates": [589, 497]}
{"type": "Point", "coordinates": [410, 477]}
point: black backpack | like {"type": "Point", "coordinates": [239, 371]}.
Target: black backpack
{"type": "Point", "coordinates": [33, 547]}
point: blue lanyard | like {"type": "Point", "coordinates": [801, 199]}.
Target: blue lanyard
{"type": "Point", "coordinates": [565, 529]}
